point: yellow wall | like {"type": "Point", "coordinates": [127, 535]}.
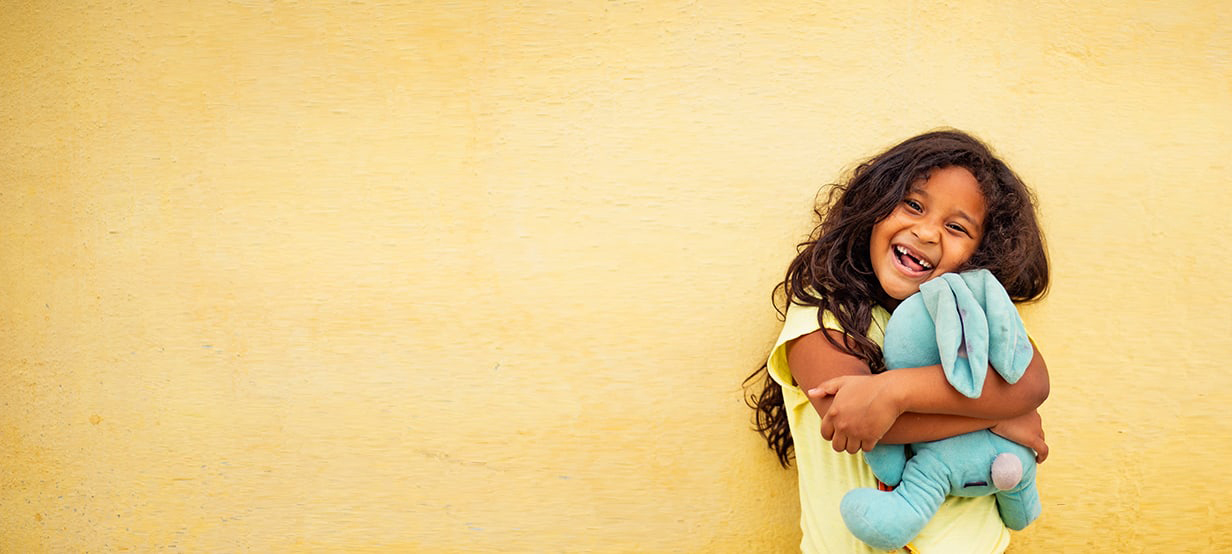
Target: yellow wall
{"type": "Point", "coordinates": [487, 276]}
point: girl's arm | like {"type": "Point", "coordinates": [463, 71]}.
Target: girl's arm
{"type": "Point", "coordinates": [859, 409]}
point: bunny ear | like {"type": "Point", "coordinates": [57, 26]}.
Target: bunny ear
{"type": "Point", "coordinates": [1009, 349]}
{"type": "Point", "coordinates": [962, 332]}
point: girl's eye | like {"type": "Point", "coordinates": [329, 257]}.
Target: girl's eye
{"type": "Point", "coordinates": [959, 228]}
{"type": "Point", "coordinates": [915, 206]}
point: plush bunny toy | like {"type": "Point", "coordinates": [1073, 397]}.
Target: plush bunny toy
{"type": "Point", "coordinates": [965, 322]}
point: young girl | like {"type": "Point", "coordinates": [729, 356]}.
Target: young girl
{"type": "Point", "coordinates": [936, 203]}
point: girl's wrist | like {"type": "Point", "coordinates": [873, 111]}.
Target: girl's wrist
{"type": "Point", "coordinates": [894, 390]}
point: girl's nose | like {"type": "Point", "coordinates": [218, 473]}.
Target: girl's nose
{"type": "Point", "coordinates": [926, 232]}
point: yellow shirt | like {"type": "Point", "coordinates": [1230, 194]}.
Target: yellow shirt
{"type": "Point", "coordinates": [961, 525]}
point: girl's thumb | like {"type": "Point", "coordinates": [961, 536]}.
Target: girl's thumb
{"type": "Point", "coordinates": [825, 389]}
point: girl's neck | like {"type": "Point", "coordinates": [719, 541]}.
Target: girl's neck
{"type": "Point", "coordinates": [888, 302]}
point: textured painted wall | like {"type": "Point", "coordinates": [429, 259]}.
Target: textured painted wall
{"type": "Point", "coordinates": [463, 276]}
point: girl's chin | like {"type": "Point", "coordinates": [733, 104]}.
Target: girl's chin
{"type": "Point", "coordinates": [901, 292]}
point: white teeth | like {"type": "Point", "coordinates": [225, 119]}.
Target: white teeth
{"type": "Point", "coordinates": [903, 252]}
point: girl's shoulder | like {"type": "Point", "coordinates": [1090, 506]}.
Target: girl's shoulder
{"type": "Point", "coordinates": [801, 319]}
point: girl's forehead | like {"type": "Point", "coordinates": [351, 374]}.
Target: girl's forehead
{"type": "Point", "coordinates": [954, 191]}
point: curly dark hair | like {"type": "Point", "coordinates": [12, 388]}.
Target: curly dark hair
{"type": "Point", "coordinates": [833, 272]}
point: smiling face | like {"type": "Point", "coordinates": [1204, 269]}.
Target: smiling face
{"type": "Point", "coordinates": [934, 230]}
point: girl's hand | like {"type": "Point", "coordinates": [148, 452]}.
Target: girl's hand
{"type": "Point", "coordinates": [860, 414]}
{"type": "Point", "coordinates": [1027, 430]}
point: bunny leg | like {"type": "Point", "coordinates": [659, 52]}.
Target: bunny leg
{"type": "Point", "coordinates": [891, 519]}
{"type": "Point", "coordinates": [1019, 508]}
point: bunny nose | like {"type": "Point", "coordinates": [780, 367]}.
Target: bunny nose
{"type": "Point", "coordinates": [1006, 471]}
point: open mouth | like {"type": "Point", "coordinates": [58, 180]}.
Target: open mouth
{"type": "Point", "coordinates": [910, 260]}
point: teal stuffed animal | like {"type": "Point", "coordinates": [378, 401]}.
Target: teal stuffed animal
{"type": "Point", "coordinates": [965, 322]}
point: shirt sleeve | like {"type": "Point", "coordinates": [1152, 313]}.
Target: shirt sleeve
{"type": "Point", "coordinates": [799, 321]}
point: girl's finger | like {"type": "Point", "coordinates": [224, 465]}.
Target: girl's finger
{"type": "Point", "coordinates": [1041, 452]}
{"type": "Point", "coordinates": [825, 389]}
